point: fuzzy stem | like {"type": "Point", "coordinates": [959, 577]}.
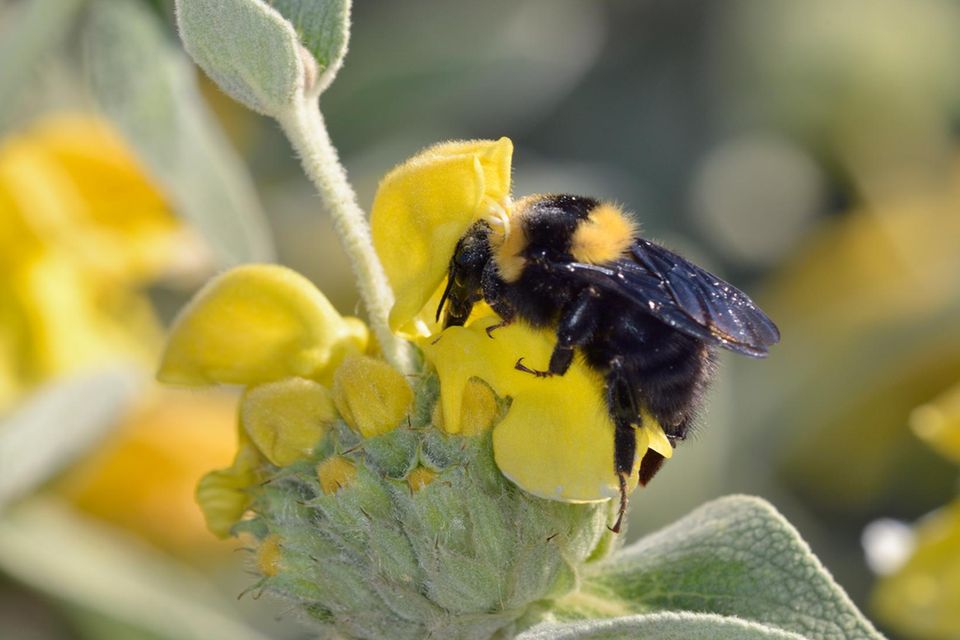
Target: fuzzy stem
{"type": "Point", "coordinates": [304, 126]}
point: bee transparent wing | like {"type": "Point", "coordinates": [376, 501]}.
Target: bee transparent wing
{"type": "Point", "coordinates": [686, 297]}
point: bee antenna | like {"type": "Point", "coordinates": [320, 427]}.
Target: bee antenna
{"type": "Point", "coordinates": [445, 296]}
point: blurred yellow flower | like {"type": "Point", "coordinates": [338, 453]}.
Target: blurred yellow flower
{"type": "Point", "coordinates": [922, 598]}
{"type": "Point", "coordinates": [84, 230]}
{"type": "Point", "coordinates": [938, 423]}
{"type": "Point", "coordinates": [556, 439]}
{"type": "Point", "coordinates": [871, 306]}
{"type": "Point", "coordinates": [143, 477]}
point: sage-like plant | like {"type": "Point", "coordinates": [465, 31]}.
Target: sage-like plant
{"type": "Point", "coordinates": [397, 481]}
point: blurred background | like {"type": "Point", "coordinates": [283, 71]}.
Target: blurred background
{"type": "Point", "coordinates": [806, 151]}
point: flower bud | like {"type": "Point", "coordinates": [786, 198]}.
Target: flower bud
{"type": "Point", "coordinates": [410, 532]}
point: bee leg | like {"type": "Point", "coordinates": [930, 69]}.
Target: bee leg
{"type": "Point", "coordinates": [576, 327]}
{"type": "Point", "coordinates": [505, 322]}
{"type": "Point", "coordinates": [519, 366]}
{"type": "Point", "coordinates": [625, 412]}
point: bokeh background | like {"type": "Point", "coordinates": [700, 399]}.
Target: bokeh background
{"type": "Point", "coordinates": [807, 151]}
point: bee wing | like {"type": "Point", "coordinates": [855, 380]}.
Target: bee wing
{"type": "Point", "coordinates": [686, 297]}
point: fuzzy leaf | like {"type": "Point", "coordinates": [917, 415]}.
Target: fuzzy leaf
{"type": "Point", "coordinates": [660, 626]}
{"type": "Point", "coordinates": [57, 423]}
{"type": "Point", "coordinates": [324, 30]}
{"type": "Point", "coordinates": [246, 47]}
{"type": "Point", "coordinates": [52, 549]}
{"type": "Point", "coordinates": [735, 556]}
{"type": "Point", "coordinates": [145, 84]}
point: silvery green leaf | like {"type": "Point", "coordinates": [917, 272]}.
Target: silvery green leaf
{"type": "Point", "coordinates": [145, 84]}
{"type": "Point", "coordinates": [30, 31]}
{"type": "Point", "coordinates": [247, 48]}
{"type": "Point", "coordinates": [659, 626]}
{"type": "Point", "coordinates": [736, 556]}
{"type": "Point", "coordinates": [324, 29]}
{"type": "Point", "coordinates": [49, 547]}
{"type": "Point", "coordinates": [57, 423]}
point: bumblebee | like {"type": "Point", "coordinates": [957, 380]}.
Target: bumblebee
{"type": "Point", "coordinates": [648, 321]}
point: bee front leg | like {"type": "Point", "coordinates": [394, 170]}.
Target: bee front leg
{"type": "Point", "coordinates": [492, 287]}
{"type": "Point", "coordinates": [578, 323]}
{"type": "Point", "coordinates": [504, 322]}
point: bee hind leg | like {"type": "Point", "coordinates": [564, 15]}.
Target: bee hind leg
{"type": "Point", "coordinates": [625, 412]}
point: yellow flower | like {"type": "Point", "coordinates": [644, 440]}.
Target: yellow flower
{"type": "Point", "coordinates": [269, 328]}
{"type": "Point", "coordinates": [350, 473]}
{"type": "Point", "coordinates": [556, 439]}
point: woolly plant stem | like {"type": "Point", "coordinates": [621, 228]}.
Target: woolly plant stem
{"type": "Point", "coordinates": [304, 126]}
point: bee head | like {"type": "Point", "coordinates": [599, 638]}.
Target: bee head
{"type": "Point", "coordinates": [464, 275]}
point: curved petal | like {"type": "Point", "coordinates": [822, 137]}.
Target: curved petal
{"type": "Point", "coordinates": [422, 209]}
{"type": "Point", "coordinates": [371, 396]}
{"type": "Point", "coordinates": [256, 324]}
{"type": "Point", "coordinates": [222, 494]}
{"type": "Point", "coordinates": [287, 418]}
{"type": "Point", "coordinates": [556, 440]}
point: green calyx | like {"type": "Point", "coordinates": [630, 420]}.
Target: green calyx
{"type": "Point", "coordinates": [415, 533]}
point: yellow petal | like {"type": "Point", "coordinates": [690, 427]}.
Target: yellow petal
{"type": "Point", "coordinates": [556, 440]}
{"type": "Point", "coordinates": [255, 324]}
{"type": "Point", "coordinates": [479, 408]}
{"type": "Point", "coordinates": [477, 412]}
{"type": "Point", "coordinates": [222, 494]}
{"type": "Point", "coordinates": [335, 473]}
{"type": "Point", "coordinates": [422, 209]}
{"type": "Point", "coordinates": [287, 418]}
{"type": "Point", "coordinates": [657, 439]}
{"type": "Point", "coordinates": [269, 555]}
{"type": "Point", "coordinates": [371, 396]}
{"type": "Point", "coordinates": [420, 477]}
